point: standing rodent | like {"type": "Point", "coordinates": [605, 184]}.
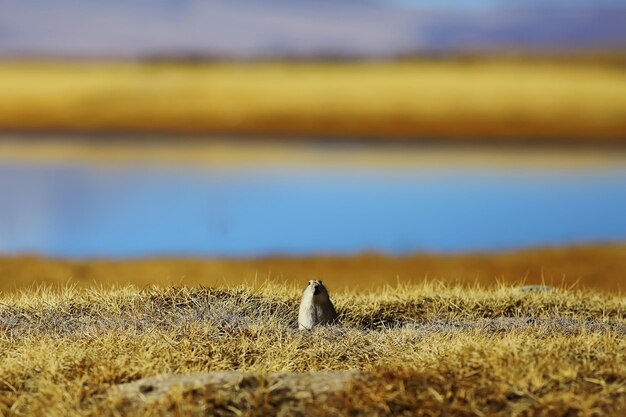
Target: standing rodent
{"type": "Point", "coordinates": [316, 307]}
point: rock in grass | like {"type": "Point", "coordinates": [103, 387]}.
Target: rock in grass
{"type": "Point", "coordinates": [200, 387]}
{"type": "Point", "coordinates": [537, 288]}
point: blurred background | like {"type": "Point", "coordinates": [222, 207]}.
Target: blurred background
{"type": "Point", "coordinates": [369, 142]}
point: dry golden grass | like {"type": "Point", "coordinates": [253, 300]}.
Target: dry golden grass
{"type": "Point", "coordinates": [602, 267]}
{"type": "Point", "coordinates": [486, 99]}
{"type": "Point", "coordinates": [414, 347]}
{"type": "Point", "coordinates": [223, 152]}
{"type": "Point", "coordinates": [414, 350]}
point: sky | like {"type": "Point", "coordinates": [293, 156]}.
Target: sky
{"type": "Point", "coordinates": [304, 28]}
{"type": "Point", "coordinates": [481, 4]}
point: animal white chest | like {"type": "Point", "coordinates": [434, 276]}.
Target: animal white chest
{"type": "Point", "coordinates": [315, 307]}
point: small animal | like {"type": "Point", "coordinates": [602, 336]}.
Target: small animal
{"type": "Point", "coordinates": [316, 307]}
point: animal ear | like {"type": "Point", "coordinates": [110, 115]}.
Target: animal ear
{"type": "Point", "coordinates": [319, 280]}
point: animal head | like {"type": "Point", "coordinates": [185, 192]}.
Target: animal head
{"type": "Point", "coordinates": [316, 287]}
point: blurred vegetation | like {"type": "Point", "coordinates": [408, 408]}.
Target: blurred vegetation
{"type": "Point", "coordinates": [491, 100]}
{"type": "Point", "coordinates": [602, 267]}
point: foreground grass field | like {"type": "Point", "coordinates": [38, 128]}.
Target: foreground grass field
{"type": "Point", "coordinates": [486, 100]}
{"type": "Point", "coordinates": [429, 349]}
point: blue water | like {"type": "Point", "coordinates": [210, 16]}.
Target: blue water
{"type": "Point", "coordinates": [100, 211]}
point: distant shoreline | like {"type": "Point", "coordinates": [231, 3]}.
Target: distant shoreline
{"type": "Point", "coordinates": [448, 102]}
{"type": "Point", "coordinates": [599, 266]}
{"type": "Point", "coordinates": [242, 152]}
{"type": "Point", "coordinates": [185, 139]}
